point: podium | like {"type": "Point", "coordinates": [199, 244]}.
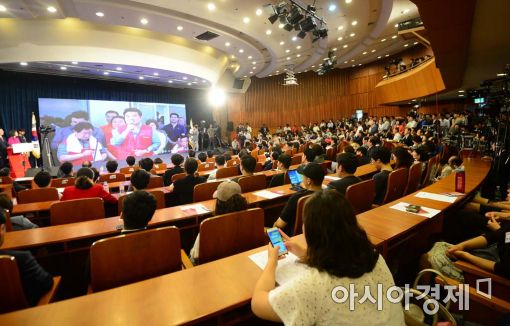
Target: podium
{"type": "Point", "coordinates": [18, 158]}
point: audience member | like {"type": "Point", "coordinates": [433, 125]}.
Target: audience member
{"type": "Point", "coordinates": [219, 162]}
{"type": "Point", "coordinates": [361, 154]}
{"type": "Point", "coordinates": [283, 166]}
{"type": "Point", "coordinates": [84, 187]}
{"type": "Point", "coordinates": [183, 188]}
{"type": "Point", "coordinates": [42, 179]}
{"type": "Point", "coordinates": [130, 160]}
{"type": "Point", "coordinates": [86, 164]}
{"type": "Point", "coordinates": [111, 166]}
{"type": "Point", "coordinates": [139, 180]}
{"type": "Point", "coordinates": [381, 159]}
{"type": "Point", "coordinates": [138, 208]}
{"type": "Point", "coordinates": [65, 170]}
{"type": "Point", "coordinates": [177, 160]}
{"type": "Point", "coordinates": [19, 222]}
{"type": "Point", "coordinates": [247, 166]}
{"type": "Point", "coordinates": [402, 158]}
{"type": "Point", "coordinates": [346, 167]}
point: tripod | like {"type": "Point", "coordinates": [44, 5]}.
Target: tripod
{"type": "Point", "coordinates": [46, 150]}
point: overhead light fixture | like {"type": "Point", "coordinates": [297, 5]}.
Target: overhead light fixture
{"type": "Point", "coordinates": [74, 62]}
{"type": "Point", "coordinates": [23, 63]}
{"type": "Point", "coordinates": [406, 45]}
{"type": "Point", "coordinates": [276, 11]}
{"type": "Point", "coordinates": [394, 37]}
{"type": "Point", "coordinates": [246, 20]}
{"type": "Point", "coordinates": [185, 78]}
{"type": "Point", "coordinates": [354, 23]}
{"type": "Point", "coordinates": [334, 49]}
{"type": "Point", "coordinates": [405, 11]}
{"type": "Point", "coordinates": [141, 78]}
{"type": "Point", "coordinates": [171, 81]}
{"type": "Point", "coordinates": [287, 51]}
{"type": "Point", "coordinates": [461, 91]}
{"type": "Point", "coordinates": [118, 68]}
{"type": "Point", "coordinates": [345, 46]}
{"type": "Point", "coordinates": [211, 6]}
{"type": "Point", "coordinates": [180, 28]}
{"type": "Point", "coordinates": [348, 1]}
{"type": "Point", "coordinates": [373, 51]}
{"type": "Point", "coordinates": [144, 21]}
{"type": "Point", "coordinates": [280, 26]}
{"type": "Point", "coordinates": [501, 75]}
{"type": "Point", "coordinates": [99, 14]}
{"type": "Point", "coordinates": [298, 47]}
{"type": "Point", "coordinates": [250, 57]}
{"type": "Point", "coordinates": [340, 38]}
{"type": "Point", "coordinates": [461, 95]}
{"type": "Point", "coordinates": [254, 63]}
{"type": "Point", "coordinates": [379, 57]}
{"type": "Point", "coordinates": [63, 68]}
{"type": "Point", "coordinates": [415, 43]}
{"type": "Point", "coordinates": [365, 52]}
{"type": "Point", "coordinates": [241, 51]}
{"type": "Point", "coordinates": [282, 42]}
{"type": "Point", "coordinates": [294, 38]}
{"type": "Point", "coordinates": [268, 32]}
{"type": "Point", "coordinates": [352, 34]}
{"type": "Point", "coordinates": [319, 33]}
{"type": "Point", "coordinates": [258, 12]}
{"type": "Point", "coordinates": [383, 40]}
{"type": "Point", "coordinates": [3, 8]}
{"type": "Point", "coordinates": [396, 25]}
{"type": "Point", "coordinates": [290, 78]}
{"type": "Point", "coordinates": [52, 9]}
{"type": "Point", "coordinates": [308, 24]}
{"type": "Point", "coordinates": [156, 74]}
{"type": "Point", "coordinates": [327, 64]}
{"type": "Point", "coordinates": [294, 17]}
{"type": "Point", "coordinates": [298, 55]}
{"type": "Point", "coordinates": [227, 44]}
{"type": "Point", "coordinates": [332, 7]}
{"type": "Point", "coordinates": [106, 73]}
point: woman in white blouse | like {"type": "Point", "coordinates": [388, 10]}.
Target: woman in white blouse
{"type": "Point", "coordinates": [338, 255]}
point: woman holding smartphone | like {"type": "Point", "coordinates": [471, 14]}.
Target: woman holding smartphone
{"type": "Point", "coordinates": [338, 255]}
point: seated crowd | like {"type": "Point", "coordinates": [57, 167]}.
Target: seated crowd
{"type": "Point", "coordinates": [332, 239]}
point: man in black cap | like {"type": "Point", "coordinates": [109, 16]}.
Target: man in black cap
{"type": "Point", "coordinates": [313, 175]}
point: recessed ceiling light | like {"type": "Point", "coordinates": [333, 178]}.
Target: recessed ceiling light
{"type": "Point", "coordinates": [415, 43]}
{"type": "Point", "coordinates": [354, 65]}
{"type": "Point", "coordinates": [141, 78]}
{"type": "Point", "coordinates": [258, 12]}
{"type": "Point", "coordinates": [288, 58]}
{"type": "Point", "coordinates": [461, 95]}
{"type": "Point", "coordinates": [334, 49]}
{"type": "Point", "coordinates": [298, 55]}
{"type": "Point", "coordinates": [52, 9]}
{"type": "Point", "coordinates": [189, 84]}
{"type": "Point", "coordinates": [270, 75]}
{"type": "Point", "coordinates": [373, 51]}
{"type": "Point", "coordinates": [359, 64]}
{"type": "Point", "coordinates": [387, 55]}
{"type": "Point", "coordinates": [281, 26]}
{"type": "Point", "coordinates": [99, 14]}
{"type": "Point", "coordinates": [74, 62]}
{"type": "Point", "coordinates": [268, 32]}
{"type": "Point", "coordinates": [406, 45]}
{"type": "Point", "coordinates": [185, 78]}
{"type": "Point", "coordinates": [246, 20]}
{"type": "Point", "coordinates": [144, 21]}
{"type": "Point", "coordinates": [254, 63]}
{"type": "Point", "coordinates": [118, 68]}
{"type": "Point", "coordinates": [352, 60]}
{"type": "Point", "coordinates": [352, 34]}
{"type": "Point", "coordinates": [379, 57]}
{"type": "Point", "coordinates": [251, 72]}
{"type": "Point", "coordinates": [171, 81]}
{"type": "Point", "coordinates": [254, 68]}
{"type": "Point", "coordinates": [106, 73]}
{"type": "Point", "coordinates": [332, 7]}
{"type": "Point", "coordinates": [354, 23]}
{"type": "Point", "coordinates": [232, 56]}
{"type": "Point", "coordinates": [501, 75]}
{"type": "Point", "coordinates": [250, 57]}
{"type": "Point", "coordinates": [346, 61]}
{"type": "Point", "coordinates": [461, 91]}
{"type": "Point", "coordinates": [383, 40]}
{"type": "Point", "coordinates": [2, 8]}
{"type": "Point", "coordinates": [340, 38]}
{"type": "Point", "coordinates": [396, 25]}
{"type": "Point", "coordinates": [365, 52]}
{"type": "Point", "coordinates": [340, 27]}
{"type": "Point", "coordinates": [63, 68]}
{"type": "Point", "coordinates": [394, 37]}
{"type": "Point", "coordinates": [313, 66]}
{"type": "Point", "coordinates": [348, 1]}
{"type": "Point", "coordinates": [241, 51]}
{"type": "Point", "coordinates": [180, 28]}
{"type": "Point", "coordinates": [405, 11]}
{"type": "Point", "coordinates": [298, 47]}
{"type": "Point", "coordinates": [245, 76]}
{"type": "Point", "coordinates": [294, 38]}
{"type": "Point", "coordinates": [282, 42]}
{"type": "Point", "coordinates": [287, 51]}
{"type": "Point", "coordinates": [156, 74]}
{"type": "Point", "coordinates": [345, 46]}
{"type": "Point", "coordinates": [227, 44]}
{"type": "Point", "coordinates": [277, 71]}
{"type": "Point", "coordinates": [211, 6]}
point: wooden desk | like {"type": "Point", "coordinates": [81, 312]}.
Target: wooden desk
{"type": "Point", "coordinates": [21, 209]}
{"type": "Point", "coordinates": [187, 296]}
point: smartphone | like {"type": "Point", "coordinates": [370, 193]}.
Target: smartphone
{"type": "Point", "coordinates": [276, 240]}
{"type": "Point", "coordinates": [413, 208]}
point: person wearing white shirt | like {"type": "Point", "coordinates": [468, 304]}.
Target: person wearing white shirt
{"type": "Point", "coordinates": [336, 255]}
{"type": "Point", "coordinates": [411, 123]}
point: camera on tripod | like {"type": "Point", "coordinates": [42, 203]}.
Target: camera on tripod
{"type": "Point", "coordinates": [46, 129]}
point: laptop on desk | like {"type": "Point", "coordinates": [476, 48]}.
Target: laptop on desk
{"type": "Point", "coordinates": [295, 180]}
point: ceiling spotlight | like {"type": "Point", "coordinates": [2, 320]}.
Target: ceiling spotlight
{"type": "Point", "coordinates": [287, 51]}
{"type": "Point", "coordinates": [345, 46]}
{"type": "Point", "coordinates": [276, 11]}
{"type": "Point", "coordinates": [250, 57]}
{"type": "Point", "coordinates": [396, 25]}
{"type": "Point", "coordinates": [106, 73]}
{"type": "Point", "coordinates": [227, 44]}
{"type": "Point", "coordinates": [99, 14]}
{"type": "Point", "coordinates": [461, 91]}
{"type": "Point", "coordinates": [352, 34]}
{"type": "Point", "coordinates": [156, 74]}
{"type": "Point", "coordinates": [52, 9]}
{"type": "Point", "coordinates": [180, 28]}
{"type": "Point", "coordinates": [246, 20]}
{"type": "Point", "coordinates": [308, 24]}
{"type": "Point", "coordinates": [354, 23]}
{"type": "Point", "coordinates": [280, 26]}
{"type": "Point", "coordinates": [288, 58]}
{"type": "Point", "coordinates": [118, 68]}
{"type": "Point", "coordinates": [365, 52]}
{"type": "Point", "coordinates": [254, 63]}
{"type": "Point", "coordinates": [394, 37]}
{"type": "Point", "coordinates": [334, 49]}
{"type": "Point", "coordinates": [373, 51]}
{"type": "Point", "coordinates": [63, 68]}
{"type": "Point", "coordinates": [282, 42]}
{"type": "Point", "coordinates": [298, 47]}
{"type": "Point", "coordinates": [268, 32]}
{"type": "Point", "coordinates": [379, 57]}
{"type": "Point", "coordinates": [241, 51]}
{"type": "Point", "coordinates": [319, 33]}
{"type": "Point", "coordinates": [23, 63]}
{"type": "Point", "coordinates": [348, 1]}
{"type": "Point", "coordinates": [340, 27]}
{"type": "Point", "coordinates": [185, 78]}
{"type": "Point", "coordinates": [144, 21]}
{"type": "Point", "coordinates": [415, 43]}
{"type": "Point", "coordinates": [298, 55]}
{"type": "Point", "coordinates": [332, 7]}
{"type": "Point", "coordinates": [258, 12]}
{"type": "Point", "coordinates": [406, 45]}
{"type": "Point", "coordinates": [294, 38]}
{"type": "Point", "coordinates": [387, 55]}
{"type": "Point", "coordinates": [500, 75]}
{"type": "Point", "coordinates": [171, 81]}
{"type": "Point", "coordinates": [141, 78]}
{"type": "Point", "coordinates": [405, 11]}
{"type": "Point", "coordinates": [2, 8]}
{"type": "Point", "coordinates": [340, 38]}
{"type": "Point", "coordinates": [295, 16]}
{"type": "Point", "coordinates": [211, 6]}
{"type": "Point", "coordinates": [74, 62]}
{"type": "Point", "coordinates": [383, 40]}
{"type": "Point", "coordinates": [189, 84]}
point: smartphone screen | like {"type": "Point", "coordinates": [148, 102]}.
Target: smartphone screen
{"type": "Point", "coordinates": [276, 240]}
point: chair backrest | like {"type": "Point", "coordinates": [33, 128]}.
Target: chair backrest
{"type": "Point", "coordinates": [296, 159]}
{"type": "Point", "coordinates": [5, 180]}
{"type": "Point", "coordinates": [178, 176]}
{"type": "Point", "coordinates": [155, 182]}
{"type": "Point", "coordinates": [12, 296]}
{"type": "Point", "coordinates": [160, 200]}
{"type": "Point", "coordinates": [261, 158]}
{"type": "Point", "coordinates": [288, 152]}
{"type": "Point", "coordinates": [330, 154]}
{"type": "Point", "coordinates": [210, 160]}
{"type": "Point", "coordinates": [134, 257]}
{"type": "Point", "coordinates": [258, 167]}
{"type": "Point", "coordinates": [229, 234]}
{"type": "Point", "coordinates": [254, 153]}
{"type": "Point", "coordinates": [428, 172]}
{"type": "Point", "coordinates": [62, 182]}
{"type": "Point", "coordinates": [298, 226]}
{"type": "Point", "coordinates": [37, 195]}
{"type": "Point", "coordinates": [204, 191]}
{"type": "Point", "coordinates": [414, 179]}
{"type": "Point", "coordinates": [112, 177]}
{"type": "Point", "coordinates": [361, 195]}
{"type": "Point", "coordinates": [160, 166]}
{"type": "Point", "coordinates": [397, 181]}
{"type": "Point", "coordinates": [325, 166]}
{"type": "Point", "coordinates": [233, 162]}
{"type": "Point", "coordinates": [129, 169]}
{"type": "Point", "coordinates": [8, 223]}
{"type": "Point", "coordinates": [205, 167]}
{"type": "Point", "coordinates": [76, 210]}
{"type": "Point", "coordinates": [227, 172]}
{"type": "Point", "coordinates": [252, 183]}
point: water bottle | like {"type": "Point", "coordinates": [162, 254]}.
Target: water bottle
{"type": "Point", "coordinates": [105, 186]}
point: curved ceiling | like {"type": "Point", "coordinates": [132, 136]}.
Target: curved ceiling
{"type": "Point", "coordinates": [360, 31]}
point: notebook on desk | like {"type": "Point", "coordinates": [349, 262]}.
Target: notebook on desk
{"type": "Point", "coordinates": [295, 180]}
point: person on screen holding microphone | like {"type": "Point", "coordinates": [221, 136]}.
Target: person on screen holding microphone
{"type": "Point", "coordinates": [81, 146]}
{"type": "Point", "coordinates": [137, 139]}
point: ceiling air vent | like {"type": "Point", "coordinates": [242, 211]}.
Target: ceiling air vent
{"type": "Point", "coordinates": [207, 36]}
